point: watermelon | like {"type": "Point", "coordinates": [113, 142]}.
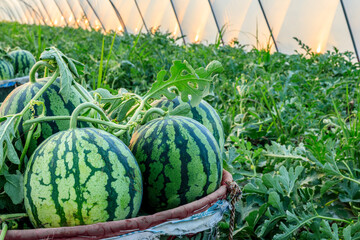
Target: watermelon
{"type": "Point", "coordinates": [22, 61]}
{"type": "Point", "coordinates": [204, 113]}
{"type": "Point", "coordinates": [179, 160]}
{"type": "Point", "coordinates": [55, 105]}
{"type": "Point", "coordinates": [6, 70]}
{"type": "Point", "coordinates": [81, 176]}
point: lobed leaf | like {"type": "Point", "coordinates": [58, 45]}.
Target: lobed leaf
{"type": "Point", "coordinates": [189, 82]}
{"type": "Point", "coordinates": [7, 133]}
{"type": "Point", "coordinates": [66, 65]}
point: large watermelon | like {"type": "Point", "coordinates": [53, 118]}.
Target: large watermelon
{"type": "Point", "coordinates": [204, 113]}
{"type": "Point", "coordinates": [81, 176]}
{"type": "Point", "coordinates": [6, 70]}
{"type": "Point", "coordinates": [179, 159]}
{"type": "Point", "coordinates": [22, 61]}
{"type": "Point", "coordinates": [55, 104]}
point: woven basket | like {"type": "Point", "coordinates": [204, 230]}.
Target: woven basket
{"type": "Point", "coordinates": [116, 228]}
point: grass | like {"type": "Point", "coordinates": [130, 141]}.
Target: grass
{"type": "Point", "coordinates": [291, 121]}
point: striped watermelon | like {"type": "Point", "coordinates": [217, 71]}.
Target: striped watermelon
{"type": "Point", "coordinates": [55, 104]}
{"type": "Point", "coordinates": [179, 159]}
{"type": "Point", "coordinates": [22, 61]}
{"type": "Point", "coordinates": [81, 176]}
{"type": "Point", "coordinates": [6, 70]}
{"type": "Point", "coordinates": [204, 113]}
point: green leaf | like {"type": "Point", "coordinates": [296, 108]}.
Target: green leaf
{"type": "Point", "coordinates": [330, 232]}
{"type": "Point", "coordinates": [255, 186]}
{"type": "Point", "coordinates": [275, 201]}
{"type": "Point", "coordinates": [347, 233]}
{"type": "Point", "coordinates": [7, 133]}
{"type": "Point", "coordinates": [189, 82]}
{"type": "Point", "coordinates": [14, 187]}
{"type": "Point", "coordinates": [66, 66]}
{"type": "Point", "coordinates": [331, 170]}
{"type": "Point", "coordinates": [328, 185]}
{"type": "Point", "coordinates": [123, 109]}
{"type": "Point", "coordinates": [182, 110]}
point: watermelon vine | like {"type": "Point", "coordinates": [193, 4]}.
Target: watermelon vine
{"type": "Point", "coordinates": [119, 114]}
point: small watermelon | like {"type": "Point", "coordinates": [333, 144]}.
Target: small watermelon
{"type": "Point", "coordinates": [22, 61]}
{"type": "Point", "coordinates": [55, 104]}
{"type": "Point", "coordinates": [6, 70]}
{"type": "Point", "coordinates": [204, 113]}
{"type": "Point", "coordinates": [179, 160]}
{"type": "Point", "coordinates": [81, 176]}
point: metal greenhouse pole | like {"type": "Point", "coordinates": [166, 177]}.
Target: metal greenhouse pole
{"type": "Point", "coordinates": [13, 11]}
{"type": "Point", "coordinates": [142, 18]}
{"type": "Point", "coordinates": [73, 13]}
{"type": "Point", "coordinates": [122, 23]}
{"type": "Point", "coordinates": [38, 10]}
{"type": "Point", "coordinates": [21, 12]}
{"type": "Point", "coordinates": [33, 10]}
{"type": "Point", "coordinates": [268, 25]}
{"type": "Point", "coordinates": [177, 19]}
{"type": "Point", "coordinates": [6, 12]}
{"type": "Point", "coordinates": [61, 12]}
{"type": "Point", "coordinates": [47, 13]}
{"type": "Point", "coordinates": [96, 15]}
{"type": "Point", "coordinates": [9, 12]}
{"type": "Point", "coordinates": [350, 30]}
{"type": "Point", "coordinates": [216, 22]}
{"type": "Point", "coordinates": [82, 8]}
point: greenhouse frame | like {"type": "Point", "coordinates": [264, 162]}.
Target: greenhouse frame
{"type": "Point", "coordinates": [321, 24]}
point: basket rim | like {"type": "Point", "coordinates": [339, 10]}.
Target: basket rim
{"type": "Point", "coordinates": [120, 227]}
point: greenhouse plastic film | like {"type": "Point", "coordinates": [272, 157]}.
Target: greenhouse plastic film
{"type": "Point", "coordinates": [204, 222]}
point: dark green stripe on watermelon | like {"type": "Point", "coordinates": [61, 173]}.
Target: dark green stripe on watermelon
{"type": "Point", "coordinates": [6, 70]}
{"type": "Point", "coordinates": [179, 159]}
{"type": "Point", "coordinates": [204, 113]}
{"type": "Point", "coordinates": [55, 104]}
{"type": "Point", "coordinates": [81, 176]}
{"type": "Point", "coordinates": [22, 61]}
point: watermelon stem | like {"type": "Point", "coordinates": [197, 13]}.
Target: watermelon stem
{"type": "Point", "coordinates": [133, 118]}
{"type": "Point", "coordinates": [37, 95]}
{"type": "Point", "coordinates": [78, 109]}
{"type": "Point", "coordinates": [152, 111]}
{"type": "Point", "coordinates": [3, 231]}
{"type": "Point", "coordinates": [36, 66]}
{"type": "Point", "coordinates": [80, 118]}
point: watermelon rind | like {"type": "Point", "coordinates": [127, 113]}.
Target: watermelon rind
{"type": "Point", "coordinates": [79, 177]}
{"type": "Point", "coordinates": [22, 61]}
{"type": "Point", "coordinates": [179, 160]}
{"type": "Point", "coordinates": [6, 70]}
{"type": "Point", "coordinates": [55, 105]}
{"type": "Point", "coordinates": [204, 113]}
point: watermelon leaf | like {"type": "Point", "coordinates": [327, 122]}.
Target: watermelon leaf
{"type": "Point", "coordinates": [188, 81]}
{"type": "Point", "coordinates": [7, 133]}
{"type": "Point", "coordinates": [14, 187]}
{"type": "Point", "coordinates": [66, 65]}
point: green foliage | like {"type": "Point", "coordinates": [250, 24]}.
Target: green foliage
{"type": "Point", "coordinates": [292, 122]}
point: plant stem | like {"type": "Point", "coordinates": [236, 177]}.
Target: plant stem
{"type": "Point", "coordinates": [152, 111]}
{"type": "Point", "coordinates": [87, 97]}
{"type": "Point", "coordinates": [133, 118]}
{"type": "Point", "coordinates": [37, 95]}
{"type": "Point", "coordinates": [80, 118]}
{"type": "Point", "coordinates": [334, 219]}
{"type": "Point", "coordinates": [36, 67]}
{"type": "Point", "coordinates": [27, 143]}
{"type": "Point", "coordinates": [78, 109]}
{"type": "Point", "coordinates": [350, 179]}
{"type": "Point", "coordinates": [12, 216]}
{"type": "Point", "coordinates": [3, 231]}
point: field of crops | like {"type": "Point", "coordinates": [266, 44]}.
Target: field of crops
{"type": "Point", "coordinates": [292, 123]}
